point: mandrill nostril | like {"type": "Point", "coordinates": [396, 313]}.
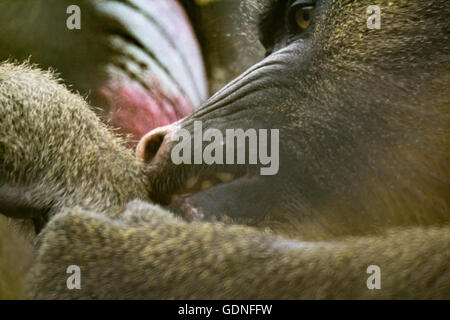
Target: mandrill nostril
{"type": "Point", "coordinates": [150, 144]}
{"type": "Point", "coordinates": [153, 143]}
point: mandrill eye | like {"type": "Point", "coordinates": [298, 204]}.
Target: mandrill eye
{"type": "Point", "coordinates": [300, 15]}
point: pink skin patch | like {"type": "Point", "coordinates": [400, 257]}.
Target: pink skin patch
{"type": "Point", "coordinates": [181, 33]}
{"type": "Point", "coordinates": [157, 82]}
{"type": "Point", "coordinates": [136, 110]}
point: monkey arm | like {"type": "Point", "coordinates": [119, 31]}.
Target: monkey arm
{"type": "Point", "coordinates": [148, 253]}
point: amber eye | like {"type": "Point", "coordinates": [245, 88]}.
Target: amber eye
{"type": "Point", "coordinates": [301, 14]}
{"type": "Point", "coordinates": [303, 17]}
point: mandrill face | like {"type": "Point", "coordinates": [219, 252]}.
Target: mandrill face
{"type": "Point", "coordinates": [353, 118]}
